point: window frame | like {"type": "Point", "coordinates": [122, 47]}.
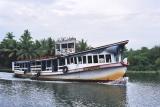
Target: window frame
{"type": "Point", "coordinates": [84, 58]}
{"type": "Point", "coordinates": [101, 60]}
{"type": "Point", "coordinates": [94, 58]}
{"type": "Point", "coordinates": [90, 61]}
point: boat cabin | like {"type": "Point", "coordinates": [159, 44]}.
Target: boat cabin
{"type": "Point", "coordinates": [65, 46]}
{"type": "Point", "coordinates": [66, 57]}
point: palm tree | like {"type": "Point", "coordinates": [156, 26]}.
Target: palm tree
{"type": "Point", "coordinates": [26, 47]}
{"type": "Point", "coordinates": [82, 46]}
{"type": "Point", "coordinates": [10, 35]}
{"type": "Point", "coordinates": [46, 47]}
{"type": "Point", "coordinates": [41, 47]}
{"type": "Point", "coordinates": [8, 49]}
{"type": "Point", "coordinates": [9, 45]}
{"type": "Point", "coordinates": [51, 46]}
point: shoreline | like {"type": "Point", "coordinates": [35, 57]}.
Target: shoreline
{"type": "Point", "coordinates": [142, 72]}
{"type": "Point", "coordinates": [8, 70]}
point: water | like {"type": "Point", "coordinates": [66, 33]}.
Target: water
{"type": "Point", "coordinates": [141, 91]}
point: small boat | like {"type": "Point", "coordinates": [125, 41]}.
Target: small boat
{"type": "Point", "coordinates": [101, 64]}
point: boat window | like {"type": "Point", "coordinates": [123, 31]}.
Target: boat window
{"type": "Point", "coordinates": [17, 64]}
{"type": "Point", "coordinates": [101, 59]}
{"type": "Point", "coordinates": [21, 65]}
{"type": "Point", "coordinates": [71, 45]}
{"type": "Point", "coordinates": [75, 60]}
{"type": "Point", "coordinates": [58, 47]}
{"type": "Point", "coordinates": [61, 61]}
{"type": "Point", "coordinates": [26, 65]}
{"type": "Point", "coordinates": [68, 62]}
{"type": "Point", "coordinates": [48, 63]}
{"type": "Point", "coordinates": [43, 65]}
{"type": "Point", "coordinates": [32, 63]}
{"type": "Point", "coordinates": [95, 58]}
{"type": "Point", "coordinates": [108, 58]}
{"type": "Point", "coordinates": [64, 45]}
{"type": "Point", "coordinates": [80, 60]}
{"type": "Point", "coordinates": [116, 57]}
{"type": "Point", "coordinates": [89, 59]}
{"type": "Point", "coordinates": [38, 63]}
{"type": "Point", "coordinates": [84, 59]}
{"type": "Point", "coordinates": [71, 60]}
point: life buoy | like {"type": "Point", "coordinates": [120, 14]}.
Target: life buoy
{"type": "Point", "coordinates": [65, 69]}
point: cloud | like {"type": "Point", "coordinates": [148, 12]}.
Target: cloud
{"type": "Point", "coordinates": [98, 21]}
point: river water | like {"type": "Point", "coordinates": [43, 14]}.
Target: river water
{"type": "Point", "coordinates": [140, 91]}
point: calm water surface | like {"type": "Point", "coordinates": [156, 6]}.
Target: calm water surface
{"type": "Point", "coordinates": [141, 91]}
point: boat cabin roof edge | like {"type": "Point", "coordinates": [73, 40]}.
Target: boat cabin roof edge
{"type": "Point", "coordinates": [104, 46]}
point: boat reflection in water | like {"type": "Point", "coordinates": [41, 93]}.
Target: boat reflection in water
{"type": "Point", "coordinates": [90, 95]}
{"type": "Point", "coordinates": [51, 94]}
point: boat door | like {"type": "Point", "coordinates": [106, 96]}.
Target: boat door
{"type": "Point", "coordinates": [55, 65]}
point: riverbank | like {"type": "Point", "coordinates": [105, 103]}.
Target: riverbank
{"type": "Point", "coordinates": [6, 70]}
{"type": "Point", "coordinates": [9, 70]}
{"type": "Point", "coordinates": [143, 72]}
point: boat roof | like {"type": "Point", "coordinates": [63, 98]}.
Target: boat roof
{"type": "Point", "coordinates": [121, 43]}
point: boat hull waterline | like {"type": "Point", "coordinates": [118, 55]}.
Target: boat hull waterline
{"type": "Point", "coordinates": [102, 73]}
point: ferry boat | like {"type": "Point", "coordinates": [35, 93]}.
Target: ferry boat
{"type": "Point", "coordinates": [100, 64]}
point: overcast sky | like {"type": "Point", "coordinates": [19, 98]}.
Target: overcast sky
{"type": "Point", "coordinates": [98, 21]}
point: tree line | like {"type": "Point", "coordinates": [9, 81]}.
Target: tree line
{"type": "Point", "coordinates": [144, 59]}
{"type": "Point", "coordinates": [26, 48]}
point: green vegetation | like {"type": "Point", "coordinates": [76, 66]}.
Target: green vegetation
{"type": "Point", "coordinates": [82, 45]}
{"type": "Point", "coordinates": [26, 48]}
{"type": "Point", "coordinates": [144, 59]}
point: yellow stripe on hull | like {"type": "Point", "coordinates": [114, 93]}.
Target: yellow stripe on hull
{"type": "Point", "coordinates": [112, 76]}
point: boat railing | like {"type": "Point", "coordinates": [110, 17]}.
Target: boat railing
{"type": "Point", "coordinates": [60, 68]}
{"type": "Point", "coordinates": [34, 66]}
{"type": "Point", "coordinates": [20, 69]}
{"type": "Point", "coordinates": [101, 60]}
{"type": "Point", "coordinates": [48, 68]}
{"type": "Point", "coordinates": [16, 66]}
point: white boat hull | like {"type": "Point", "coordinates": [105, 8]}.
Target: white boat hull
{"type": "Point", "coordinates": [104, 73]}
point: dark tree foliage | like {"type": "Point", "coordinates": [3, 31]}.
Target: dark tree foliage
{"type": "Point", "coordinates": [8, 49]}
{"type": "Point", "coordinates": [82, 45]}
{"type": "Point", "coordinates": [26, 48]}
{"type": "Point", "coordinates": [144, 59]}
